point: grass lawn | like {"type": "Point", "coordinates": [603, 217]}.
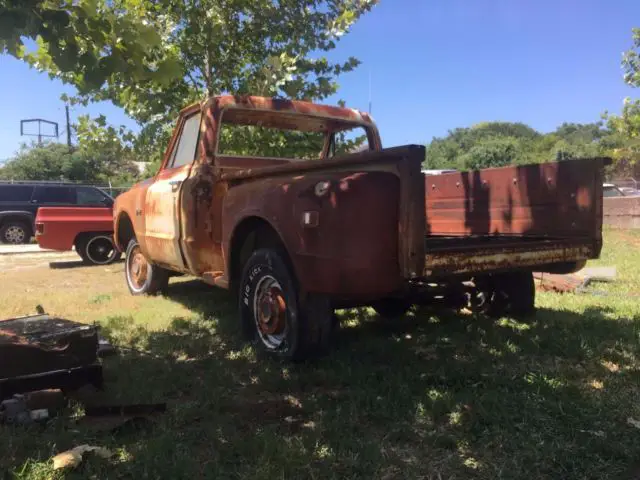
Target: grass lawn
{"type": "Point", "coordinates": [437, 395]}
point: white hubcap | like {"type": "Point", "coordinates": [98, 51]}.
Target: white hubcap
{"type": "Point", "coordinates": [14, 234]}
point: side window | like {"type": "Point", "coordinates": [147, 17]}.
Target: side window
{"type": "Point", "coordinates": [92, 196]}
{"type": "Point", "coordinates": [352, 140]}
{"type": "Point", "coordinates": [185, 150]}
{"type": "Point", "coordinates": [64, 195]}
{"type": "Point", "coordinates": [15, 193]}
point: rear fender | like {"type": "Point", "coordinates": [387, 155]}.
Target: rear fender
{"type": "Point", "coordinates": [27, 217]}
{"type": "Point", "coordinates": [340, 229]}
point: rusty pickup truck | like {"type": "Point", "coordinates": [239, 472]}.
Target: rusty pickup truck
{"type": "Point", "coordinates": [298, 210]}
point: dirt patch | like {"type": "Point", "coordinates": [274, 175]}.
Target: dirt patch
{"type": "Point", "coordinates": [284, 410]}
{"type": "Point", "coordinates": [629, 237]}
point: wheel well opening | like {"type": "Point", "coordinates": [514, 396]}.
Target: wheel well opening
{"type": "Point", "coordinates": [85, 236]}
{"type": "Point", "coordinates": [125, 231]}
{"type": "Point", "coordinates": [17, 219]}
{"type": "Point", "coordinates": [250, 235]}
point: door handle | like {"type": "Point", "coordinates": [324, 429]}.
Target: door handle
{"type": "Point", "coordinates": [175, 184]}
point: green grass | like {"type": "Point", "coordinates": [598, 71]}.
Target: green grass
{"type": "Point", "coordinates": [436, 395]}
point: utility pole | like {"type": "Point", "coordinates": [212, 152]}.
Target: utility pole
{"type": "Point", "coordinates": [66, 110]}
{"type": "Point", "coordinates": [369, 91]}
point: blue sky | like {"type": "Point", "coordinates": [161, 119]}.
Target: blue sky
{"type": "Point", "coordinates": [435, 65]}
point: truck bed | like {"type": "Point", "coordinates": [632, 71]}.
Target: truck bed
{"type": "Point", "coordinates": [544, 217]}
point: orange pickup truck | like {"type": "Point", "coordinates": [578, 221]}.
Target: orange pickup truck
{"type": "Point", "coordinates": [298, 210]}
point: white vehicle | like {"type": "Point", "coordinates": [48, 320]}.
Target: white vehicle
{"type": "Point", "coordinates": [611, 190]}
{"type": "Point", "coordinates": [437, 172]}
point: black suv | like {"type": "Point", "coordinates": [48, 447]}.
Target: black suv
{"type": "Point", "coordinates": [19, 203]}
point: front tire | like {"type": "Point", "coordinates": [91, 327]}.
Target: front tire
{"type": "Point", "coordinates": [142, 276]}
{"type": "Point", "coordinates": [15, 232]}
{"type": "Point", "coordinates": [273, 315]}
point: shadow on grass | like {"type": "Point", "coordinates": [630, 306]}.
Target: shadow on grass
{"type": "Point", "coordinates": [435, 395]}
{"type": "Point", "coordinates": [77, 264]}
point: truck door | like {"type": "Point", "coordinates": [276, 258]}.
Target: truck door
{"type": "Point", "coordinates": [162, 209]}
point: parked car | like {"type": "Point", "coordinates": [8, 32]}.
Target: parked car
{"type": "Point", "coordinates": [20, 201]}
{"type": "Point", "coordinates": [612, 190]}
{"type": "Point", "coordinates": [630, 191]}
{"type": "Point", "coordinates": [87, 228]}
{"type": "Point", "coordinates": [296, 236]}
{"type": "Point", "coordinates": [437, 172]}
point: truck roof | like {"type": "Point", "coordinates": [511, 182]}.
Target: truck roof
{"type": "Point", "coordinates": [286, 114]}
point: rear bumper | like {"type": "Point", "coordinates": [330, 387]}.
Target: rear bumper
{"type": "Point", "coordinates": [505, 254]}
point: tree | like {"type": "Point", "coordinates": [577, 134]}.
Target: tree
{"type": "Point", "coordinates": [108, 151]}
{"type": "Point", "coordinates": [53, 161]}
{"type": "Point", "coordinates": [84, 41]}
{"type": "Point", "coordinates": [104, 155]}
{"type": "Point", "coordinates": [491, 152]}
{"type": "Point", "coordinates": [184, 50]}
{"type": "Point", "coordinates": [495, 144]}
{"type": "Point", "coordinates": [626, 145]}
{"type": "Point", "coordinates": [631, 61]}
{"type": "Point", "coordinates": [487, 144]}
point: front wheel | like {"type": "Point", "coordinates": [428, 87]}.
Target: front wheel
{"type": "Point", "coordinates": [274, 316]}
{"type": "Point", "coordinates": [143, 277]}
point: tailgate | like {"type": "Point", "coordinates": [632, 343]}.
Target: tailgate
{"type": "Point", "coordinates": [514, 217]}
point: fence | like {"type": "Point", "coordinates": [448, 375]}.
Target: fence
{"type": "Point", "coordinates": [623, 212]}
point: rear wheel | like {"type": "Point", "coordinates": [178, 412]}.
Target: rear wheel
{"type": "Point", "coordinates": [15, 232]}
{"type": "Point", "coordinates": [391, 308]}
{"type": "Point", "coordinates": [506, 294]}
{"type": "Point", "coordinates": [97, 249]}
{"type": "Point", "coordinates": [274, 316]}
{"type": "Point", "coordinates": [143, 277]}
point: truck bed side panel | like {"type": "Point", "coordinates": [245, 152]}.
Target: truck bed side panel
{"type": "Point", "coordinates": [367, 230]}
{"type": "Point", "coordinates": [520, 216]}
{"type": "Point", "coordinates": [61, 225]}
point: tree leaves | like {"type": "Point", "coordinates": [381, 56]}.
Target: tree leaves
{"type": "Point", "coordinates": [495, 144]}
{"type": "Point", "coordinates": [153, 57]}
{"type": "Point", "coordinates": [631, 61]}
{"type": "Point", "coordinates": [83, 42]}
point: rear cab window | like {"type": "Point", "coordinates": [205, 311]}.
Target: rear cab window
{"type": "Point", "coordinates": [349, 140]}
{"type": "Point", "coordinates": [287, 136]}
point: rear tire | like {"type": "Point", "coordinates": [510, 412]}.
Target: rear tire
{"type": "Point", "coordinates": [391, 308]}
{"type": "Point", "coordinates": [142, 276]}
{"type": "Point", "coordinates": [273, 315]}
{"type": "Point", "coordinates": [97, 249]}
{"type": "Point", "coordinates": [15, 232]}
{"type": "Point", "coordinates": [511, 293]}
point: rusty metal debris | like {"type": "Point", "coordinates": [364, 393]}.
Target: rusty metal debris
{"type": "Point", "coordinates": [39, 352]}
{"type": "Point", "coordinates": [72, 458]}
{"type": "Point", "coordinates": [574, 282]}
